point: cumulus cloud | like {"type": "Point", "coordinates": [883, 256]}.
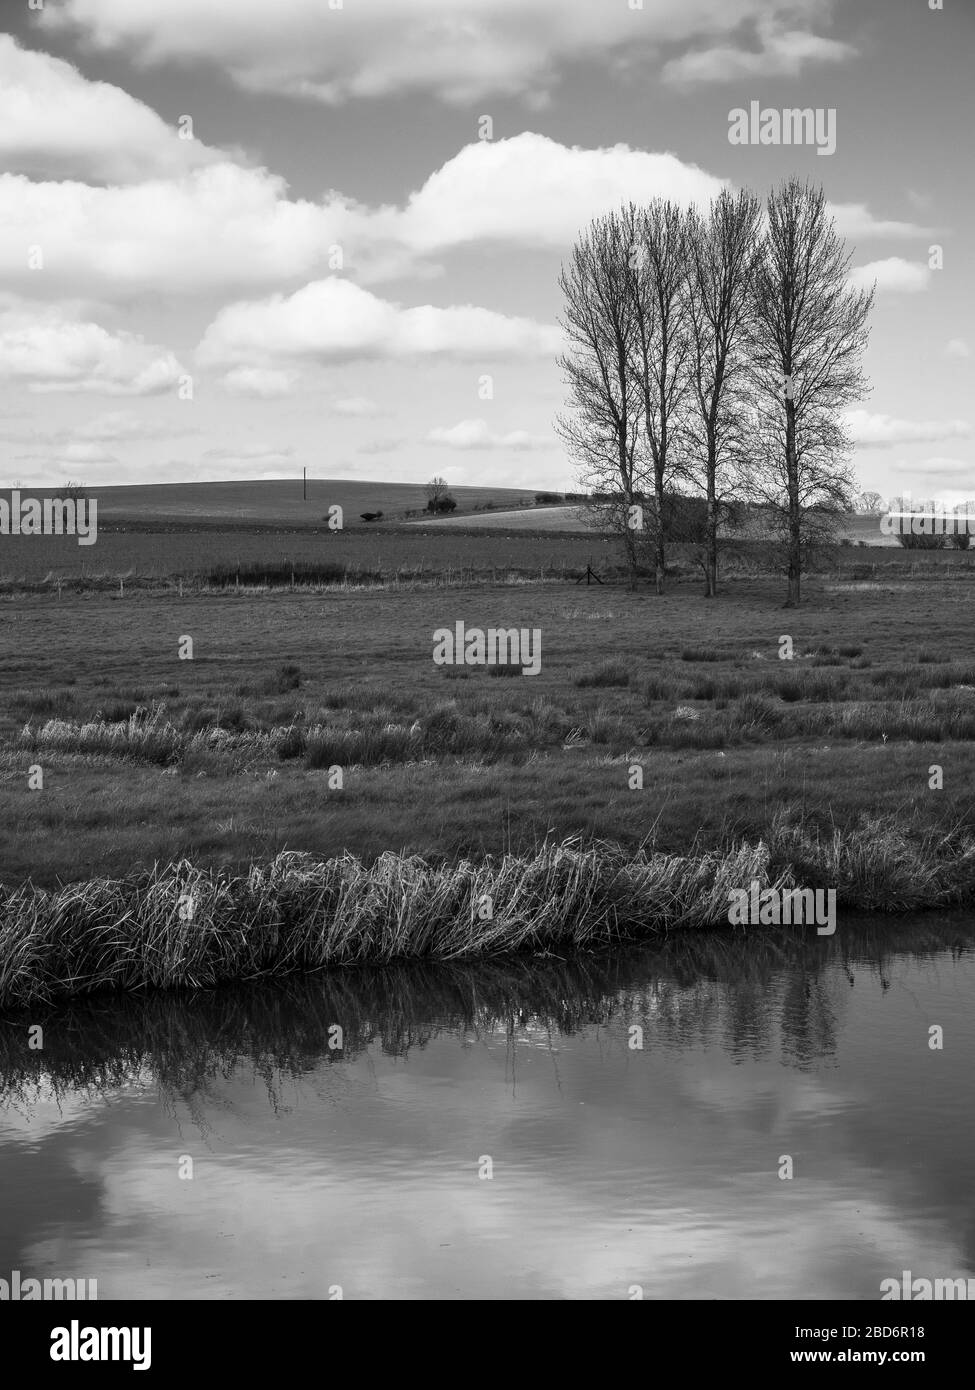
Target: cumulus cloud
{"type": "Point", "coordinates": [108, 427]}
{"type": "Point", "coordinates": [894, 273]}
{"type": "Point", "coordinates": [855, 220]}
{"type": "Point", "coordinates": [49, 352]}
{"type": "Point", "coordinates": [266, 383]}
{"type": "Point", "coordinates": [875, 431]}
{"type": "Point", "coordinates": [356, 405]}
{"type": "Point", "coordinates": [385, 445]}
{"type": "Point", "coordinates": [112, 424]}
{"type": "Point", "coordinates": [492, 47]}
{"type": "Point", "coordinates": [334, 321]}
{"type": "Point", "coordinates": [224, 227]}
{"type": "Point", "coordinates": [215, 227]}
{"type": "Point", "coordinates": [80, 452]}
{"type": "Point", "coordinates": [937, 468]}
{"type": "Point", "coordinates": [256, 453]}
{"type": "Point", "coordinates": [475, 434]}
{"type": "Point", "coordinates": [55, 122]}
{"type": "Point", "coordinates": [530, 190]}
{"type": "Point", "coordinates": [957, 347]}
{"type": "Point", "coordinates": [780, 53]}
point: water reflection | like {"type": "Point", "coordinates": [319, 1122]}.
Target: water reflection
{"type": "Point", "coordinates": [612, 1166]}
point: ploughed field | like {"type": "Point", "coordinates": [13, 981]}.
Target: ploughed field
{"type": "Point", "coordinates": [230, 757]}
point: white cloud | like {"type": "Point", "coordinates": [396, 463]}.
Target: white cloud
{"type": "Point", "coordinates": [226, 227]}
{"type": "Point", "coordinates": [532, 191]}
{"type": "Point", "coordinates": [475, 434]}
{"type": "Point", "coordinates": [384, 445]}
{"type": "Point", "coordinates": [307, 49]}
{"type": "Point", "coordinates": [875, 431]}
{"type": "Point", "coordinates": [894, 273]}
{"type": "Point", "coordinates": [855, 220]}
{"type": "Point", "coordinates": [54, 121]}
{"type": "Point", "coordinates": [251, 453]}
{"type": "Point", "coordinates": [334, 320]}
{"type": "Point", "coordinates": [50, 352]}
{"type": "Point", "coordinates": [957, 347]}
{"type": "Point", "coordinates": [944, 466]}
{"type": "Point", "coordinates": [356, 405]}
{"type": "Point", "coordinates": [108, 427]}
{"type": "Point", "coordinates": [79, 452]}
{"type": "Point", "coordinates": [263, 382]}
{"type": "Point", "coordinates": [220, 226]}
{"type": "Point", "coordinates": [112, 424]}
{"type": "Point", "coordinates": [72, 456]}
{"type": "Point", "coordinates": [781, 53]}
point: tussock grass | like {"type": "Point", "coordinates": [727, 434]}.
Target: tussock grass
{"type": "Point", "coordinates": [609, 673]}
{"type": "Point", "coordinates": [705, 654]}
{"type": "Point", "coordinates": [380, 731]}
{"type": "Point", "coordinates": [299, 913]}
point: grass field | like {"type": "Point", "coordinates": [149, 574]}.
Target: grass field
{"type": "Point", "coordinates": [536, 519]}
{"type": "Point", "coordinates": [281, 502]}
{"type": "Point", "coordinates": [224, 758]}
{"type": "Point", "coordinates": [156, 557]}
{"type": "Point", "coordinates": [312, 719]}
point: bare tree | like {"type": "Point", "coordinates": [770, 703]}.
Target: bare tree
{"type": "Point", "coordinates": [808, 332]}
{"type": "Point", "coordinates": [720, 262]}
{"type": "Point", "coordinates": [602, 429]}
{"type": "Point", "coordinates": [868, 503]}
{"type": "Point", "coordinates": [436, 488]}
{"type": "Point", "coordinates": [657, 285]}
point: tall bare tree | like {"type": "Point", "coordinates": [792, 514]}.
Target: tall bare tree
{"type": "Point", "coordinates": [657, 286]}
{"type": "Point", "coordinates": [721, 247]}
{"type": "Point", "coordinates": [808, 331]}
{"type": "Point", "coordinates": [602, 432]}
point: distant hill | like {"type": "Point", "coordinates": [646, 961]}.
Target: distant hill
{"type": "Point", "coordinates": [279, 502]}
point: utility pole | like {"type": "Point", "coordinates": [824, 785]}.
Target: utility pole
{"type": "Point", "coordinates": [304, 484]}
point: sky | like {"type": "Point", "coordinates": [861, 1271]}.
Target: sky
{"type": "Point", "coordinates": [241, 238]}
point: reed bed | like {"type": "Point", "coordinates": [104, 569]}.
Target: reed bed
{"type": "Point", "coordinates": [180, 926]}
{"type": "Point", "coordinates": [297, 913]}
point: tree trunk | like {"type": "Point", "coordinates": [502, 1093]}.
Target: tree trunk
{"type": "Point", "coordinates": [795, 513]}
{"type": "Point", "coordinates": [659, 542]}
{"type": "Point", "coordinates": [711, 527]}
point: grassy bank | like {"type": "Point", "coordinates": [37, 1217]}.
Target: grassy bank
{"type": "Point", "coordinates": [184, 927]}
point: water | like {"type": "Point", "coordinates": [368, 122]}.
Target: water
{"type": "Point", "coordinates": [613, 1167]}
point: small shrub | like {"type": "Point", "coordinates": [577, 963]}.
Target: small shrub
{"type": "Point", "coordinates": [291, 744]}
{"type": "Point", "coordinates": [609, 673]}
